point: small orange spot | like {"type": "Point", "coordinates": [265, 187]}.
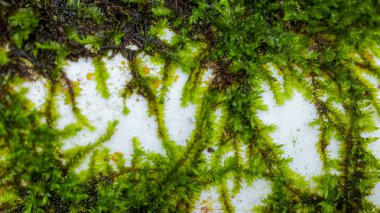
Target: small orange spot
{"type": "Point", "coordinates": [368, 56]}
{"type": "Point", "coordinates": [206, 209]}
{"type": "Point", "coordinates": [116, 156]}
{"type": "Point", "coordinates": [123, 62]}
{"type": "Point", "coordinates": [90, 75]}
{"type": "Point", "coordinates": [155, 84]}
{"type": "Point", "coordinates": [146, 70]}
{"type": "Point", "coordinates": [176, 78]}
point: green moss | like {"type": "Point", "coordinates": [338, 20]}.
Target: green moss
{"type": "Point", "coordinates": [23, 22]}
{"type": "Point", "coordinates": [321, 49]}
{"type": "Point", "coordinates": [3, 57]}
{"type": "Point", "coordinates": [101, 75]}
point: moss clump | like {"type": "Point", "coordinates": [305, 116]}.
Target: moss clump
{"type": "Point", "coordinates": [101, 76]}
{"type": "Point", "coordinates": [322, 49]}
{"type": "Point", "coordinates": [23, 24]}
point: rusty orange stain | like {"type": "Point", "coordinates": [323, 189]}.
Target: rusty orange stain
{"type": "Point", "coordinates": [207, 206]}
{"type": "Point", "coordinates": [146, 70]}
{"type": "Point", "coordinates": [90, 75]}
{"type": "Point", "coordinates": [368, 56]}
{"type": "Point", "coordinates": [155, 84]}
{"type": "Point", "coordinates": [206, 209]}
{"type": "Point", "coordinates": [116, 156]}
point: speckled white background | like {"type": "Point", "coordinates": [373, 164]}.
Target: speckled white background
{"type": "Point", "coordinates": [292, 120]}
